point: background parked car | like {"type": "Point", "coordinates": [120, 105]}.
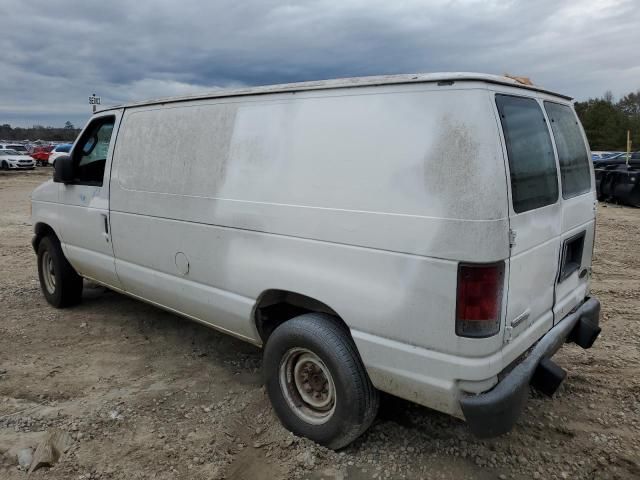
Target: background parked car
{"type": "Point", "coordinates": [12, 160]}
{"type": "Point", "coordinates": [41, 154]}
{"type": "Point", "coordinates": [618, 181]}
{"type": "Point", "coordinates": [59, 150]}
{"type": "Point", "coordinates": [600, 156]}
{"type": "Point", "coordinates": [614, 155]}
{"type": "Point", "coordinates": [15, 147]}
{"type": "Point", "coordinates": [616, 158]}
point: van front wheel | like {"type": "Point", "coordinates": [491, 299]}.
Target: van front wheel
{"type": "Point", "coordinates": [317, 384]}
{"type": "Point", "coordinates": [60, 284]}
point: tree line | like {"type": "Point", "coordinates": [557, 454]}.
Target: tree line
{"type": "Point", "coordinates": [68, 133]}
{"type": "Point", "coordinates": [606, 121]}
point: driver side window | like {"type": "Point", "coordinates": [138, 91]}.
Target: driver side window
{"type": "Point", "coordinates": [90, 154]}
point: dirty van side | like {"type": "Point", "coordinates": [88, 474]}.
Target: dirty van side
{"type": "Point", "coordinates": [372, 234]}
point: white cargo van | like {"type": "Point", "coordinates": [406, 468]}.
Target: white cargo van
{"type": "Point", "coordinates": [429, 236]}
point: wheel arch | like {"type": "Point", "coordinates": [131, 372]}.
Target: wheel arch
{"type": "Point", "coordinates": [41, 230]}
{"type": "Point", "coordinates": [276, 306]}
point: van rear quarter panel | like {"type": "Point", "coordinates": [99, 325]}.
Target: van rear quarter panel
{"type": "Point", "coordinates": [365, 199]}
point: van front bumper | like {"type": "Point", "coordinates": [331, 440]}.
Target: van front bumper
{"type": "Point", "coordinates": [495, 412]}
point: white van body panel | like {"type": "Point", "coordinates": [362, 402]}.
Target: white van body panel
{"type": "Point", "coordinates": [366, 199]}
{"type": "Point", "coordinates": [269, 227]}
{"type": "Point", "coordinates": [534, 294]}
{"type": "Point", "coordinates": [84, 222]}
{"type": "Point", "coordinates": [46, 208]}
{"type": "Point", "coordinates": [578, 216]}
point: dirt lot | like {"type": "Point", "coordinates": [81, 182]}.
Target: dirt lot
{"type": "Point", "coordinates": [146, 394]}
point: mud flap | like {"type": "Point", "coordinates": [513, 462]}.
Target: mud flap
{"type": "Point", "coordinates": [548, 377]}
{"type": "Point", "coordinates": [584, 333]}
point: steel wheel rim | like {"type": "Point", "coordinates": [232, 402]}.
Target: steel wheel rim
{"type": "Point", "coordinates": [48, 272]}
{"type": "Point", "coordinates": [307, 386]}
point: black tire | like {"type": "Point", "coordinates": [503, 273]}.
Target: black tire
{"type": "Point", "coordinates": [67, 288]}
{"type": "Point", "coordinates": [599, 180]}
{"type": "Point", "coordinates": [356, 399]}
{"type": "Point", "coordinates": [606, 186]}
{"type": "Point", "coordinates": [5, 166]}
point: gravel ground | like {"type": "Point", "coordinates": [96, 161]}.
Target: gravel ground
{"type": "Point", "coordinates": [145, 394]}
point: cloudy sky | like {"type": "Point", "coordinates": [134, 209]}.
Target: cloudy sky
{"type": "Point", "coordinates": [54, 54]}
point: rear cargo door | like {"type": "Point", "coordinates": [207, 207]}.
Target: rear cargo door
{"type": "Point", "coordinates": [535, 214]}
{"type": "Point", "coordinates": [578, 202]}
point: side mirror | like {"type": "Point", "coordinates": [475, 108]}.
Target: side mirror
{"type": "Point", "coordinates": [63, 170]}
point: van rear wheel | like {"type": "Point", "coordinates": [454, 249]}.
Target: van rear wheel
{"type": "Point", "coordinates": [316, 381]}
{"type": "Point", "coordinates": [60, 284]}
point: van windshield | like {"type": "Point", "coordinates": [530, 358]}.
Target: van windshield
{"type": "Point", "coordinates": [572, 152]}
{"type": "Point", "coordinates": [534, 178]}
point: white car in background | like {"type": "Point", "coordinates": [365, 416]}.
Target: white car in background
{"type": "Point", "coordinates": [14, 146]}
{"type": "Point", "coordinates": [58, 151]}
{"type": "Point", "coordinates": [12, 160]}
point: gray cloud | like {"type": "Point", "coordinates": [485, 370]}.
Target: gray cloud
{"type": "Point", "coordinates": [55, 54]}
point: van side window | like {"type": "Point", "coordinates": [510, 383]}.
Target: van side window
{"type": "Point", "coordinates": [534, 178]}
{"type": "Point", "coordinates": [90, 154]}
{"type": "Point", "coordinates": [572, 153]}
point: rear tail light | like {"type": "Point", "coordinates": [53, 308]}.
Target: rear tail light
{"type": "Point", "coordinates": [479, 299]}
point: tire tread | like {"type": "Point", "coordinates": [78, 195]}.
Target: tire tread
{"type": "Point", "coordinates": [333, 335]}
{"type": "Point", "coordinates": [68, 282]}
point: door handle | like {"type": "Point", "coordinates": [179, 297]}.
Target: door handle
{"type": "Point", "coordinates": [105, 232]}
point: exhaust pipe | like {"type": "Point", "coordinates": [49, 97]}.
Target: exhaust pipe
{"type": "Point", "coordinates": [584, 333]}
{"type": "Point", "coordinates": [548, 377]}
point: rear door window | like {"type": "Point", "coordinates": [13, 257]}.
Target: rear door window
{"type": "Point", "coordinates": [534, 178]}
{"type": "Point", "coordinates": [572, 153]}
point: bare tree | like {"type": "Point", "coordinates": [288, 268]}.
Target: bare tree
{"type": "Point", "coordinates": [608, 96]}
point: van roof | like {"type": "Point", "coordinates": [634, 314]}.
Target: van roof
{"type": "Point", "coordinates": [346, 83]}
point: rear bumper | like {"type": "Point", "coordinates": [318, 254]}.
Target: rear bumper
{"type": "Point", "coordinates": [495, 412]}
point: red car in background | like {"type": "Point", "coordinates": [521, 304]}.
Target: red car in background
{"type": "Point", "coordinates": [41, 155]}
